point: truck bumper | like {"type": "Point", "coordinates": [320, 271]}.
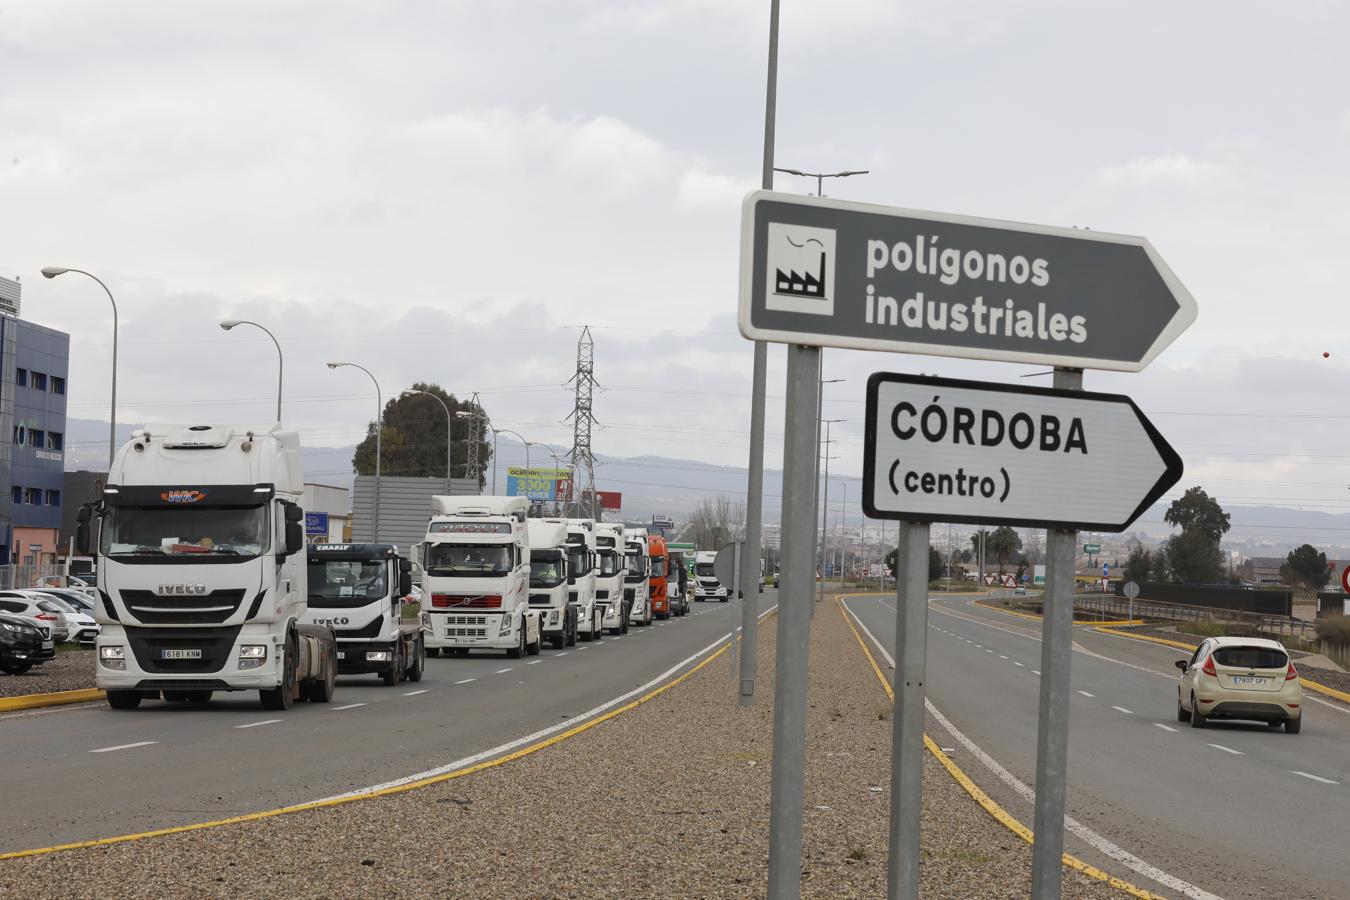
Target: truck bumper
{"type": "Point", "coordinates": [613, 613]}
{"type": "Point", "coordinates": [469, 630]}
{"type": "Point", "coordinates": [222, 673]}
{"type": "Point", "coordinates": [352, 656]}
{"type": "Point", "coordinates": [552, 620]}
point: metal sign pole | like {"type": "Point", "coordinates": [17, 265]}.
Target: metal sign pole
{"type": "Point", "coordinates": [911, 640]}
{"type": "Point", "coordinates": [735, 592]}
{"type": "Point", "coordinates": [1052, 738]}
{"type": "Point", "coordinates": [786, 789]}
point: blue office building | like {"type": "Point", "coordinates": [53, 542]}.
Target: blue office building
{"type": "Point", "coordinates": [34, 363]}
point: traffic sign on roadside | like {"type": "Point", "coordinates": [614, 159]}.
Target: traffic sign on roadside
{"type": "Point", "coordinates": [1091, 549]}
{"type": "Point", "coordinates": [941, 449]}
{"type": "Point", "coordinates": [831, 273]}
{"type": "Point", "coordinates": [1130, 590]}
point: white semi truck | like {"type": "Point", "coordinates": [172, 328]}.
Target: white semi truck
{"type": "Point", "coordinates": [706, 585]}
{"type": "Point", "coordinates": [201, 570]}
{"type": "Point", "coordinates": [549, 574]}
{"type": "Point", "coordinates": [476, 577]}
{"type": "Point", "coordinates": [637, 576]}
{"type": "Point", "coordinates": [584, 565]}
{"type": "Point", "coordinates": [609, 577]}
{"type": "Point", "coordinates": [358, 590]}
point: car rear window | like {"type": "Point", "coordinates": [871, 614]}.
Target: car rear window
{"type": "Point", "coordinates": [1251, 657]}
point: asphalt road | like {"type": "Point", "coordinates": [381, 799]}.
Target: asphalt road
{"type": "Point", "coordinates": [91, 772]}
{"type": "Point", "coordinates": [1236, 810]}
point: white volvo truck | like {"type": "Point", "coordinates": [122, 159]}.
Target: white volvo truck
{"type": "Point", "coordinates": [609, 591]}
{"type": "Point", "coordinates": [201, 570]}
{"type": "Point", "coordinates": [581, 579]}
{"type": "Point", "coordinates": [358, 590]}
{"type": "Point", "coordinates": [476, 577]}
{"type": "Point", "coordinates": [637, 576]}
{"type": "Point", "coordinates": [549, 574]}
{"type": "Point", "coordinates": [706, 585]}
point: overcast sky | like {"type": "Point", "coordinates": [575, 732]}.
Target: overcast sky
{"type": "Point", "coordinates": [446, 192]}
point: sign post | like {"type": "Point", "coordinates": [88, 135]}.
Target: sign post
{"type": "Point", "coordinates": [1130, 590]}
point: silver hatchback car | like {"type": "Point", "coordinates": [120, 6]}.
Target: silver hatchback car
{"type": "Point", "coordinates": [1240, 678]}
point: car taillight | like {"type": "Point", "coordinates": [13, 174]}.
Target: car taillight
{"type": "Point", "coordinates": [1292, 674]}
{"type": "Point", "coordinates": [1208, 668]}
{"type": "Point", "coordinates": [46, 617]}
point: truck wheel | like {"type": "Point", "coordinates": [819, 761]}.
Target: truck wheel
{"type": "Point", "coordinates": [559, 640]}
{"type": "Point", "coordinates": [419, 663]}
{"type": "Point", "coordinates": [518, 650]}
{"type": "Point", "coordinates": [321, 690]}
{"type": "Point", "coordinates": [280, 698]}
{"type": "Point", "coordinates": [124, 699]}
{"type": "Point", "coordinates": [392, 675]}
{"type": "Point", "coordinates": [598, 625]}
{"type": "Point", "coordinates": [534, 648]}
{"type": "Point", "coordinates": [590, 634]}
{"type": "Point", "coordinates": [570, 629]}
{"type": "Point", "coordinates": [15, 666]}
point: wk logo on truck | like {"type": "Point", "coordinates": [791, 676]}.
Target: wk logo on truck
{"type": "Point", "coordinates": [187, 496]}
{"type": "Point", "coordinates": [801, 259]}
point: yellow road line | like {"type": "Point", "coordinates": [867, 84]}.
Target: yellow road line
{"type": "Point", "coordinates": [56, 698]}
{"type": "Point", "coordinates": [1001, 815]}
{"type": "Point", "coordinates": [383, 792]}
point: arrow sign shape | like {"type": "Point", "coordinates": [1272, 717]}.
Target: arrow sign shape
{"type": "Point", "coordinates": [832, 273]}
{"type": "Point", "coordinates": [947, 450]}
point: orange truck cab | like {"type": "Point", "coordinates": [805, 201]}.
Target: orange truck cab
{"type": "Point", "coordinates": [656, 551]}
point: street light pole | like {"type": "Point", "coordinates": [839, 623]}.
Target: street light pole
{"type": "Point", "coordinates": [825, 504]}
{"type": "Point", "coordinates": [52, 272]}
{"type": "Point", "coordinates": [449, 432]}
{"type": "Point", "coordinates": [821, 176]}
{"type": "Point", "coordinates": [281, 363]}
{"type": "Point", "coordinates": [821, 381]}
{"type": "Point", "coordinates": [379, 429]}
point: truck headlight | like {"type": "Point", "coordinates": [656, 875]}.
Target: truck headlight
{"type": "Point", "coordinates": [251, 656]}
{"type": "Point", "coordinates": [113, 656]}
{"type": "Point", "coordinates": [426, 621]}
{"type": "Point", "coordinates": [378, 656]}
{"type": "Point", "coordinates": [506, 626]}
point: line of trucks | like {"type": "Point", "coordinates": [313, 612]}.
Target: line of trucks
{"type": "Point", "coordinates": [206, 583]}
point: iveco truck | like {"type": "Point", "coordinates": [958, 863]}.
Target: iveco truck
{"type": "Point", "coordinates": [358, 591]}
{"type": "Point", "coordinates": [637, 572]}
{"type": "Point", "coordinates": [581, 579]}
{"type": "Point", "coordinates": [201, 570]}
{"type": "Point", "coordinates": [549, 573]}
{"type": "Point", "coordinates": [609, 577]}
{"type": "Point", "coordinates": [476, 577]}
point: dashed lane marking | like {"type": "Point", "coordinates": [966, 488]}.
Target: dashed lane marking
{"type": "Point", "coordinates": [415, 693]}
{"type": "Point", "coordinates": [1128, 712]}
{"type": "Point", "coordinates": [1227, 749]}
{"type": "Point", "coordinates": [466, 681]}
{"type": "Point", "coordinates": [1314, 777]}
{"type": "Point", "coordinates": [124, 747]}
{"type": "Point", "coordinates": [1086, 694]}
{"type": "Point", "coordinates": [348, 706]}
{"type": "Point", "coordinates": [256, 724]}
{"type": "Point", "coordinates": [507, 669]}
{"type": "Point", "coordinates": [1164, 727]}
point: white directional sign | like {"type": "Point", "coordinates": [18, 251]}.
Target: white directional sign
{"type": "Point", "coordinates": [939, 449]}
{"type": "Point", "coordinates": [835, 274]}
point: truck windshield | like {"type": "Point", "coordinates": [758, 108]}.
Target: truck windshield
{"type": "Point", "coordinates": [704, 569]}
{"type": "Point", "coordinates": [633, 562]}
{"type": "Point", "coordinates": [346, 583]}
{"type": "Point", "coordinates": [469, 560]}
{"type": "Point", "coordinates": [546, 569]}
{"type": "Point", "coordinates": [576, 563]}
{"type": "Point", "coordinates": [610, 564]}
{"type": "Point", "coordinates": [184, 532]}
{"type": "Point", "coordinates": [658, 567]}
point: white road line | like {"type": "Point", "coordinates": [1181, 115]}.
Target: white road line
{"type": "Point", "coordinates": [1035, 671]}
{"type": "Point", "coordinates": [466, 681]}
{"type": "Point", "coordinates": [256, 724]}
{"type": "Point", "coordinates": [127, 747]}
{"type": "Point", "coordinates": [988, 651]}
{"type": "Point", "coordinates": [1086, 694]}
{"type": "Point", "coordinates": [1304, 774]}
{"type": "Point", "coordinates": [1227, 749]}
{"type": "Point", "coordinates": [534, 662]}
{"type": "Point", "coordinates": [1164, 727]}
{"type": "Point", "coordinates": [1001, 656]}
{"type": "Point", "coordinates": [415, 693]}
{"type": "Point", "coordinates": [348, 706]}
{"type": "Point", "coordinates": [564, 653]}
{"type": "Point", "coordinates": [1078, 829]}
{"type": "Point", "coordinates": [583, 648]}
{"type": "Point", "coordinates": [502, 671]}
{"type": "Point", "coordinates": [1128, 712]}
{"type": "Point", "coordinates": [1016, 663]}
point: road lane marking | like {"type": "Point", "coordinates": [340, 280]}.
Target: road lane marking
{"type": "Point", "coordinates": [502, 671]}
{"type": "Point", "coordinates": [1001, 656]}
{"type": "Point", "coordinates": [1078, 829]}
{"type": "Point", "coordinates": [1128, 712]}
{"type": "Point", "coordinates": [1227, 749]}
{"type": "Point", "coordinates": [1035, 671]}
{"type": "Point", "coordinates": [256, 724]}
{"type": "Point", "coordinates": [564, 653]}
{"type": "Point", "coordinates": [466, 681]}
{"type": "Point", "coordinates": [1016, 663]}
{"type": "Point", "coordinates": [124, 746]}
{"type": "Point", "coordinates": [1304, 774]}
{"type": "Point", "coordinates": [415, 693]}
{"type": "Point", "coordinates": [1086, 694]}
{"type": "Point", "coordinates": [1164, 727]}
{"type": "Point", "coordinates": [988, 651]}
{"type": "Point", "coordinates": [534, 662]}
{"type": "Point", "coordinates": [348, 706]}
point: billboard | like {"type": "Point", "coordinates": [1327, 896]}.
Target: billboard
{"type": "Point", "coordinates": [539, 484]}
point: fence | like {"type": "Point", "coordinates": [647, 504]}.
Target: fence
{"type": "Point", "coordinates": [1109, 606]}
{"type": "Point", "coordinates": [1264, 602]}
{"type": "Point", "coordinates": [12, 577]}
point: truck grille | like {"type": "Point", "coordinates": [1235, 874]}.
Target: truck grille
{"type": "Point", "coordinates": [602, 594]}
{"type": "Point", "coordinates": [214, 643]}
{"type": "Point", "coordinates": [468, 626]}
{"type": "Point", "coordinates": [539, 599]}
{"type": "Point", "coordinates": [209, 609]}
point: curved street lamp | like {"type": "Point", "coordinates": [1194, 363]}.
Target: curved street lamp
{"type": "Point", "coordinates": [52, 272]}
{"type": "Point", "coordinates": [379, 428]}
{"type": "Point", "coordinates": [227, 324]}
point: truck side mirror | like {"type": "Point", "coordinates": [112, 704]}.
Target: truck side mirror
{"type": "Point", "coordinates": [404, 582]}
{"type": "Point", "coordinates": [295, 529]}
{"type": "Point", "coordinates": [82, 528]}
{"type": "Point", "coordinates": [405, 565]}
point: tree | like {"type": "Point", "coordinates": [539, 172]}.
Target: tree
{"type": "Point", "coordinates": [715, 522]}
{"type": "Point", "coordinates": [999, 545]}
{"type": "Point", "coordinates": [1306, 566]}
{"type": "Point", "coordinates": [1193, 558]}
{"type": "Point", "coordinates": [413, 442]}
{"type": "Point", "coordinates": [1197, 512]}
{"type": "Point", "coordinates": [1140, 565]}
{"type": "Point", "coordinates": [937, 565]}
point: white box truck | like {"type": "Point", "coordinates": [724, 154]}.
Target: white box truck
{"type": "Point", "coordinates": [706, 585]}
{"type": "Point", "coordinates": [549, 572]}
{"type": "Point", "coordinates": [201, 569]}
{"type": "Point", "coordinates": [609, 577]}
{"type": "Point", "coordinates": [476, 576]}
{"type": "Point", "coordinates": [581, 576]}
{"type": "Point", "coordinates": [637, 576]}
{"type": "Point", "coordinates": [358, 590]}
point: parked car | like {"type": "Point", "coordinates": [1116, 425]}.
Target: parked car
{"type": "Point", "coordinates": [1240, 678]}
{"type": "Point", "coordinates": [23, 644]}
{"type": "Point", "coordinates": [41, 610]}
{"type": "Point", "coordinates": [78, 599]}
{"type": "Point", "coordinates": [79, 612]}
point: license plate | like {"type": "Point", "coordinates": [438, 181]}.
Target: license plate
{"type": "Point", "coordinates": [180, 654]}
{"type": "Point", "coordinates": [1250, 679]}
{"type": "Point", "coordinates": [47, 645]}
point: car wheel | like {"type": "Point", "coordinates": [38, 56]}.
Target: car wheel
{"type": "Point", "coordinates": [1182, 715]}
{"type": "Point", "coordinates": [1293, 726]}
{"type": "Point", "coordinates": [15, 666]}
{"type": "Point", "coordinates": [1198, 719]}
{"type": "Point", "coordinates": [124, 699]}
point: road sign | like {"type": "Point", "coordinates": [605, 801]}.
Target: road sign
{"type": "Point", "coordinates": [1130, 590]}
{"type": "Point", "coordinates": [941, 449]}
{"type": "Point", "coordinates": [724, 565]}
{"type": "Point", "coordinates": [1106, 570]}
{"type": "Point", "coordinates": [1091, 549]}
{"type": "Point", "coordinates": [831, 273]}
{"type": "Point", "coordinates": [316, 523]}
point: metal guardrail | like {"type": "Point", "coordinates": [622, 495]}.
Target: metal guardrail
{"type": "Point", "coordinates": [1111, 606]}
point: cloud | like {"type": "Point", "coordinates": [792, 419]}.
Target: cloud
{"type": "Point", "coordinates": [1175, 169]}
{"type": "Point", "coordinates": [699, 189]}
